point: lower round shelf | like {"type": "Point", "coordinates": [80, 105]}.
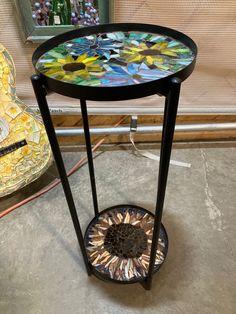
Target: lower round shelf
{"type": "Point", "coordinates": [118, 243]}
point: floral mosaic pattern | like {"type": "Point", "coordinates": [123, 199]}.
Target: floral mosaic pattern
{"type": "Point", "coordinates": [118, 243]}
{"type": "Point", "coordinates": [115, 59]}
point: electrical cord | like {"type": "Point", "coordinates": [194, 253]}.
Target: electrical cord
{"type": "Point", "coordinates": [52, 185]}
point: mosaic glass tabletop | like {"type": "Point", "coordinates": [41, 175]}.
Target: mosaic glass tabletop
{"type": "Point", "coordinates": [115, 59]}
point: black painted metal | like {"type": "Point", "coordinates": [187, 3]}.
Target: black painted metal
{"type": "Point", "coordinates": [168, 87]}
{"type": "Point", "coordinates": [83, 106]}
{"type": "Point", "coordinates": [40, 94]}
{"type": "Point", "coordinates": [161, 86]}
{"type": "Point", "coordinates": [171, 106]}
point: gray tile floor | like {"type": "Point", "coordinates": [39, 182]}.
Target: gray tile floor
{"type": "Point", "coordinates": [41, 269]}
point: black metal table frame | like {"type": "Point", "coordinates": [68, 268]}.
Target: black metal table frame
{"type": "Point", "coordinates": [168, 87]}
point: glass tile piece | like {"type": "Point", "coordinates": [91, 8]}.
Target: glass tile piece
{"type": "Point", "coordinates": [4, 129]}
{"type": "Point", "coordinates": [115, 59]}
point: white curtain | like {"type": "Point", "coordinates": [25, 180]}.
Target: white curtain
{"type": "Point", "coordinates": [211, 23]}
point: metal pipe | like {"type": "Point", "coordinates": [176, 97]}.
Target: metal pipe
{"type": "Point", "coordinates": [145, 110]}
{"type": "Point", "coordinates": [147, 129]}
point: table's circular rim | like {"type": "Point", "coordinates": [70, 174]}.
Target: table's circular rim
{"type": "Point", "coordinates": [109, 93]}
{"type": "Point", "coordinates": [105, 277]}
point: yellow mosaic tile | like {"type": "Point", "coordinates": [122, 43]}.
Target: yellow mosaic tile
{"type": "Point", "coordinates": [24, 148]}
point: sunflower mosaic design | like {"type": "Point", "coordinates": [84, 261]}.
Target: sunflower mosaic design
{"type": "Point", "coordinates": [73, 69]}
{"type": "Point", "coordinates": [115, 59]}
{"type": "Point", "coordinates": [151, 54]}
{"type": "Point", "coordinates": [118, 243]}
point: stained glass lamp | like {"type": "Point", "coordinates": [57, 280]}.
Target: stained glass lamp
{"type": "Point", "coordinates": [124, 243]}
{"type": "Point", "coordinates": [25, 152]}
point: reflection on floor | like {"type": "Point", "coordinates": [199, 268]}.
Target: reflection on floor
{"type": "Point", "coordinates": [41, 269]}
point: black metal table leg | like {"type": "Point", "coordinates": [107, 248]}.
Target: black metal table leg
{"type": "Point", "coordinates": [124, 243]}
{"type": "Point", "coordinates": [171, 106]}
{"type": "Point", "coordinates": [83, 106]}
{"type": "Point", "coordinates": [40, 93]}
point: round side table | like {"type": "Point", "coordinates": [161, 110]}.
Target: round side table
{"type": "Point", "coordinates": [124, 243]}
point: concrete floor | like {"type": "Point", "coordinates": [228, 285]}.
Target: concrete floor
{"type": "Point", "coordinates": [41, 269]}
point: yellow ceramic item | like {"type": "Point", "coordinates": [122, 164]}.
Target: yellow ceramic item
{"type": "Point", "coordinates": [24, 148]}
